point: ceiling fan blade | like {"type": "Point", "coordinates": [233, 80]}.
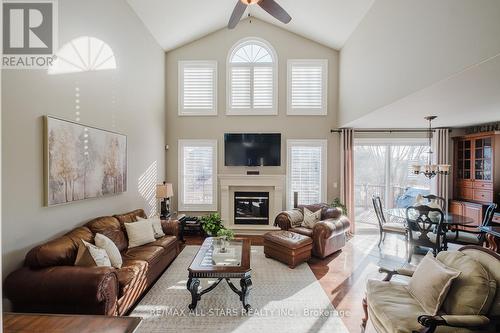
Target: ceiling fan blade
{"type": "Point", "coordinates": [275, 10]}
{"type": "Point", "coordinates": [238, 11]}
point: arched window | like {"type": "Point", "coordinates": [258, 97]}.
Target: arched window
{"type": "Point", "coordinates": [83, 54]}
{"type": "Point", "coordinates": [252, 78]}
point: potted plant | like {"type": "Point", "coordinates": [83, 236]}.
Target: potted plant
{"type": "Point", "coordinates": [225, 235]}
{"type": "Point", "coordinates": [211, 224]}
{"type": "Point", "coordinates": [337, 204]}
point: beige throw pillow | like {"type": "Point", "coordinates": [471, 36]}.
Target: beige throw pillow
{"type": "Point", "coordinates": [430, 283]}
{"type": "Point", "coordinates": [310, 218]}
{"type": "Point", "coordinates": [139, 233]}
{"type": "Point", "coordinates": [157, 228]}
{"type": "Point", "coordinates": [89, 253]}
{"type": "Point", "coordinates": [113, 253]}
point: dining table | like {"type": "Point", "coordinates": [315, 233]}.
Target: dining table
{"type": "Point", "coordinates": [450, 221]}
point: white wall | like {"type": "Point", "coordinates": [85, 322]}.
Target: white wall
{"type": "Point", "coordinates": [403, 46]}
{"type": "Point", "coordinates": [137, 89]}
{"type": "Point", "coordinates": [216, 47]}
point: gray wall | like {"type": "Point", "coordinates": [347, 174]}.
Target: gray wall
{"type": "Point", "coordinates": [137, 89]}
{"type": "Point", "coordinates": [403, 46]}
{"type": "Point", "coordinates": [216, 47]}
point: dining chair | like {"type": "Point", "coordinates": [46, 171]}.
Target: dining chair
{"type": "Point", "coordinates": [424, 230]}
{"type": "Point", "coordinates": [384, 226]}
{"type": "Point", "coordinates": [472, 236]}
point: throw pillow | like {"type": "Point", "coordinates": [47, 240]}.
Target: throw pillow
{"type": "Point", "coordinates": [139, 233]}
{"type": "Point", "coordinates": [157, 228]}
{"type": "Point", "coordinates": [91, 255]}
{"type": "Point", "coordinates": [113, 253]}
{"type": "Point", "coordinates": [430, 283]}
{"type": "Point", "coordinates": [310, 218]}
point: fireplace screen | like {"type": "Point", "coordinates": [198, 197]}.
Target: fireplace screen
{"type": "Point", "coordinates": [251, 208]}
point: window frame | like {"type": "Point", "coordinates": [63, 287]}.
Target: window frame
{"type": "Point", "coordinates": [180, 86]}
{"type": "Point", "coordinates": [252, 111]}
{"type": "Point", "coordinates": [323, 143]}
{"type": "Point", "coordinates": [323, 111]}
{"type": "Point", "coordinates": [197, 207]}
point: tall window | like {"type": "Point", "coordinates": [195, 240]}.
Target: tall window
{"type": "Point", "coordinates": [197, 175]}
{"type": "Point", "coordinates": [307, 87]}
{"type": "Point", "coordinates": [252, 78]}
{"type": "Point", "coordinates": [306, 171]}
{"type": "Point", "coordinates": [197, 88]}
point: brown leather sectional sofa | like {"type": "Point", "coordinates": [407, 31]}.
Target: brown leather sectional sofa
{"type": "Point", "coordinates": [328, 235]}
{"type": "Point", "coordinates": [50, 283]}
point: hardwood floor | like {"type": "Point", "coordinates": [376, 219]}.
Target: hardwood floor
{"type": "Point", "coordinates": [343, 275]}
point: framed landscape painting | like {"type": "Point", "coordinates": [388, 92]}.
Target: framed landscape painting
{"type": "Point", "coordinates": [82, 162]}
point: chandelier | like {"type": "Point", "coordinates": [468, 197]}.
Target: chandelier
{"type": "Point", "coordinates": [430, 170]}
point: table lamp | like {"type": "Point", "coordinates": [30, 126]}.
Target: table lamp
{"type": "Point", "coordinates": [164, 192]}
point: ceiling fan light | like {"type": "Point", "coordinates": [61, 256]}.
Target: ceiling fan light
{"type": "Point", "coordinates": [250, 2]}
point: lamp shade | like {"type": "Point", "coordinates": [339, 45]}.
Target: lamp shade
{"type": "Point", "coordinates": [164, 190]}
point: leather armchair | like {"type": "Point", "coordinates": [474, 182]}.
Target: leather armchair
{"type": "Point", "coordinates": [328, 235]}
{"type": "Point", "coordinates": [392, 308]}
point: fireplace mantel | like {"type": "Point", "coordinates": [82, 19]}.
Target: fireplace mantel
{"type": "Point", "coordinates": [274, 184]}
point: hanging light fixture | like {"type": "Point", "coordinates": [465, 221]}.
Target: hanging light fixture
{"type": "Point", "coordinates": [431, 170]}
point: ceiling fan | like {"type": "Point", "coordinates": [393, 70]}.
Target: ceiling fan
{"type": "Point", "coordinates": [269, 6]}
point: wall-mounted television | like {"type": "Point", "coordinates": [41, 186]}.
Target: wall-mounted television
{"type": "Point", "coordinates": [252, 149]}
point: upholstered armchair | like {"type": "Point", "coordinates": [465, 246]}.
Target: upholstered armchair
{"type": "Point", "coordinates": [472, 303]}
{"type": "Point", "coordinates": [328, 235]}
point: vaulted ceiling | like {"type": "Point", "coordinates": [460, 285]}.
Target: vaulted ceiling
{"type": "Point", "coordinates": [175, 23]}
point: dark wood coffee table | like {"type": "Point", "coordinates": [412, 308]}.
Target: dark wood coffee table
{"type": "Point", "coordinates": [233, 265]}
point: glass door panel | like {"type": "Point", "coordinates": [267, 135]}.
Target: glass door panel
{"type": "Point", "coordinates": [384, 169]}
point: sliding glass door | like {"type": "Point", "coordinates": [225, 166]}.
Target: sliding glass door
{"type": "Point", "coordinates": [383, 168]}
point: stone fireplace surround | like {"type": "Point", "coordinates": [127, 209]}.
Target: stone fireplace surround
{"type": "Point", "coordinates": [230, 183]}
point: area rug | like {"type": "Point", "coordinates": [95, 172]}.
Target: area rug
{"type": "Point", "coordinates": [282, 299]}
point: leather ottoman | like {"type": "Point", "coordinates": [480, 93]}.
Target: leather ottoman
{"type": "Point", "coordinates": [288, 247]}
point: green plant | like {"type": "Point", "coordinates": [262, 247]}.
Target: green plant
{"type": "Point", "coordinates": [337, 204]}
{"type": "Point", "coordinates": [211, 224]}
{"type": "Point", "coordinates": [228, 233]}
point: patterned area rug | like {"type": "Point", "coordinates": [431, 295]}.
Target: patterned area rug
{"type": "Point", "coordinates": [282, 299]}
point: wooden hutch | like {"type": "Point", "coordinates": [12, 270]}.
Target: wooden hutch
{"type": "Point", "coordinates": [476, 174]}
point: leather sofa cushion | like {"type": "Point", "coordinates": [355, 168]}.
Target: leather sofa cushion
{"type": "Point", "coordinates": [290, 240]}
{"type": "Point", "coordinates": [130, 216]}
{"type": "Point", "coordinates": [165, 242]}
{"type": "Point", "coordinates": [149, 253]}
{"type": "Point", "coordinates": [60, 251]}
{"type": "Point", "coordinates": [303, 231]}
{"type": "Point", "coordinates": [473, 290]}
{"type": "Point", "coordinates": [130, 273]}
{"type": "Point", "coordinates": [392, 308]}
{"type": "Point", "coordinates": [111, 228]}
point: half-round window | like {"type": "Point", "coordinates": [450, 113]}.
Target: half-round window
{"type": "Point", "coordinates": [252, 74]}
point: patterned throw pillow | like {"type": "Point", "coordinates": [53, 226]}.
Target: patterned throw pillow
{"type": "Point", "coordinates": [310, 218]}
{"type": "Point", "coordinates": [91, 255]}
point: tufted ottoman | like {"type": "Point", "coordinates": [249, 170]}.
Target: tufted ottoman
{"type": "Point", "coordinates": [288, 247]}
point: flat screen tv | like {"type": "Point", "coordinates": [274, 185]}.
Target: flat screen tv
{"type": "Point", "coordinates": [252, 149]}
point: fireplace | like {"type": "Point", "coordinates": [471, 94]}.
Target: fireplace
{"type": "Point", "coordinates": [251, 208]}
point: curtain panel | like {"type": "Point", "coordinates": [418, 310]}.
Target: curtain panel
{"type": "Point", "coordinates": [441, 147]}
{"type": "Point", "coordinates": [347, 173]}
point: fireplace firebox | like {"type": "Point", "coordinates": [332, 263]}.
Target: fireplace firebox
{"type": "Point", "coordinates": [251, 208]}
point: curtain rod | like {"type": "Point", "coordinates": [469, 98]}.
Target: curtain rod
{"type": "Point", "coordinates": [386, 130]}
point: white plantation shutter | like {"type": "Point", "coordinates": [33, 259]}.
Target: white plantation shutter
{"type": "Point", "coordinates": [241, 88]}
{"type": "Point", "coordinates": [197, 175]}
{"type": "Point", "coordinates": [263, 87]}
{"type": "Point", "coordinates": [197, 88]}
{"type": "Point", "coordinates": [306, 171]}
{"type": "Point", "coordinates": [307, 87]}
{"type": "Point", "coordinates": [252, 84]}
